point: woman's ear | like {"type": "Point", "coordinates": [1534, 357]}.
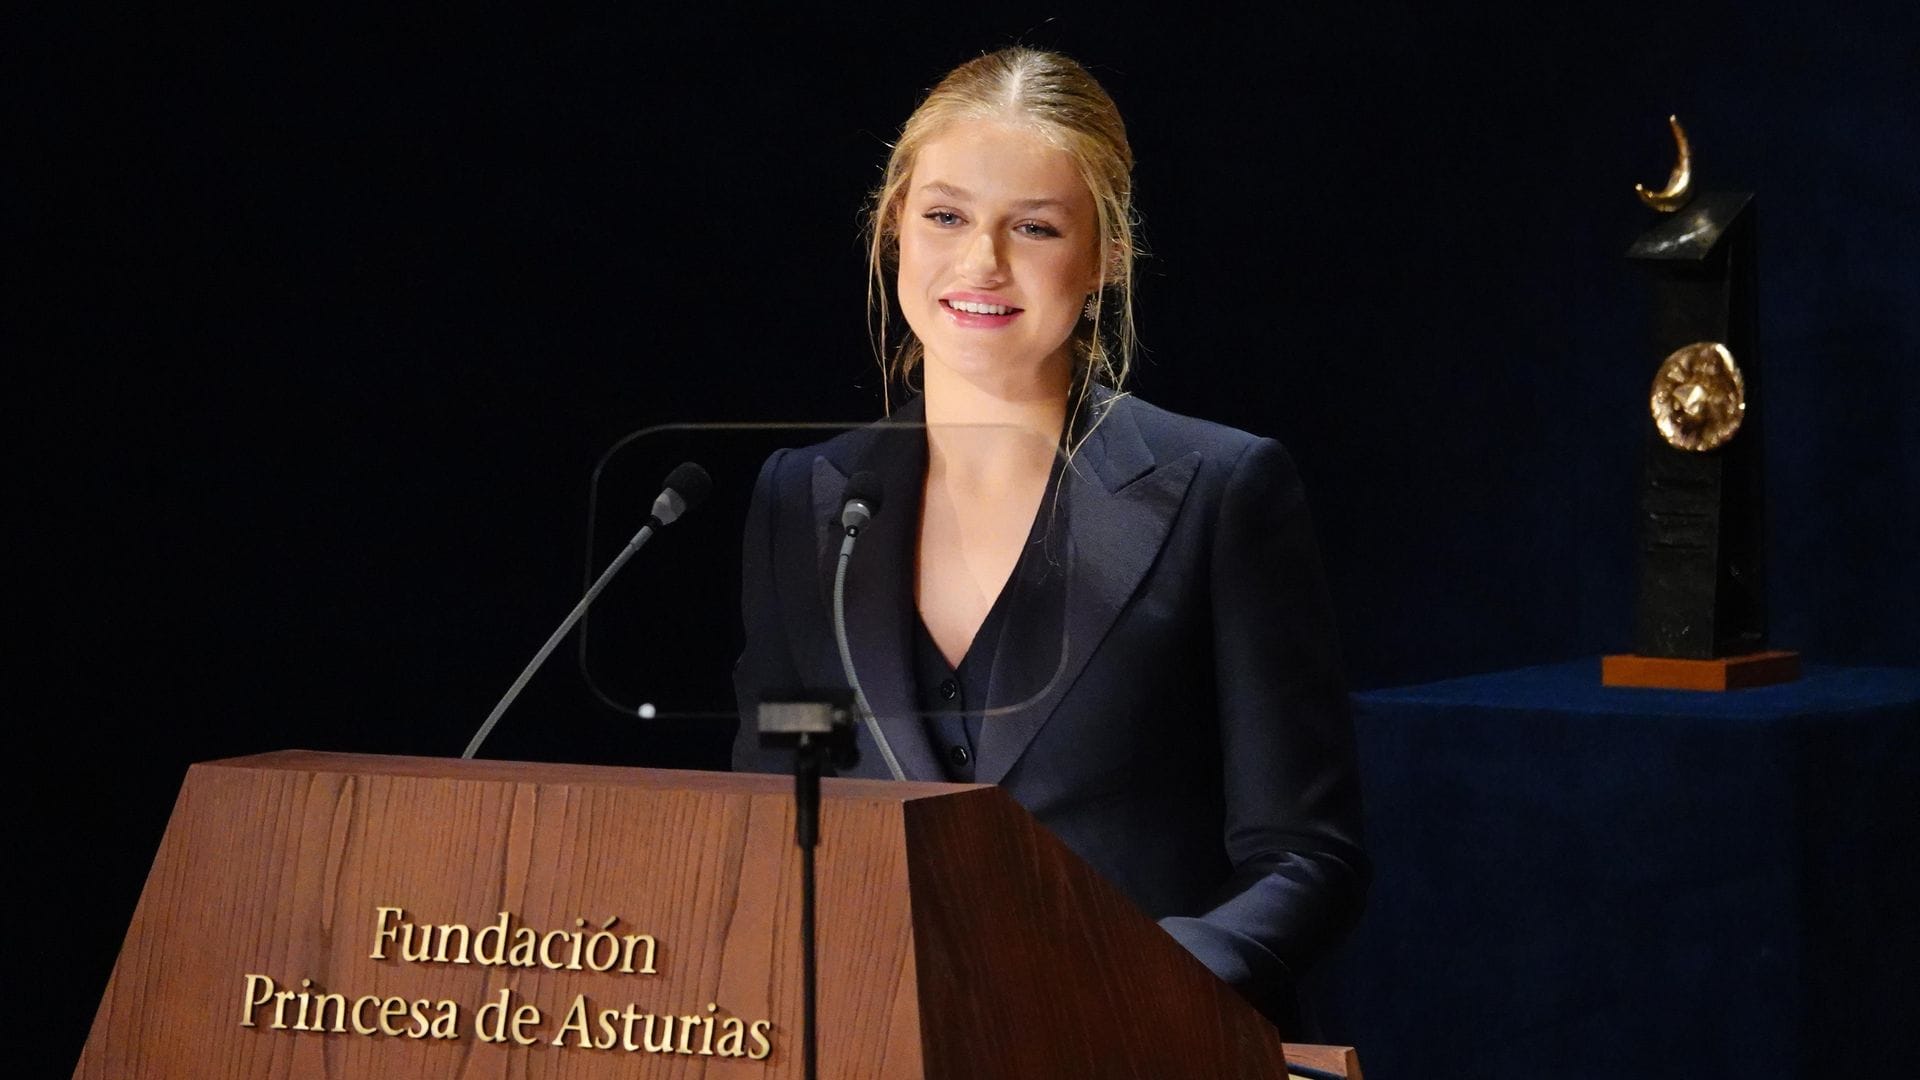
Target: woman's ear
{"type": "Point", "coordinates": [1114, 265]}
{"type": "Point", "coordinates": [1102, 270]}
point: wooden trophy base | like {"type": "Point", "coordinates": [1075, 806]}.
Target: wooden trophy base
{"type": "Point", "coordinates": [1721, 673]}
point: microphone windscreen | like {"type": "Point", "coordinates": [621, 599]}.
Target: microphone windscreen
{"type": "Point", "coordinates": [691, 482]}
{"type": "Point", "coordinates": [865, 486]}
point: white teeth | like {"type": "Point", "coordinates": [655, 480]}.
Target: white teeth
{"type": "Point", "coordinates": [972, 308]}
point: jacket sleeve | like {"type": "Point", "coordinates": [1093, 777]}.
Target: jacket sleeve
{"type": "Point", "coordinates": [766, 663]}
{"type": "Point", "coordinates": [1291, 784]}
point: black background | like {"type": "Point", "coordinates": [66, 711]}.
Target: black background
{"type": "Point", "coordinates": [318, 322]}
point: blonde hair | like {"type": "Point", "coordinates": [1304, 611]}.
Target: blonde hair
{"type": "Point", "coordinates": [1057, 98]}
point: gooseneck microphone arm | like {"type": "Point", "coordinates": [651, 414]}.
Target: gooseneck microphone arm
{"type": "Point", "coordinates": [862, 502]}
{"type": "Point", "coordinates": [819, 728]}
{"type": "Point", "coordinates": [686, 487]}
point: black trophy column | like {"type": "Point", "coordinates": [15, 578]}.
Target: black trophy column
{"type": "Point", "coordinates": [1702, 513]}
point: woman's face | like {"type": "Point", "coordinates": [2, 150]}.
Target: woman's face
{"type": "Point", "coordinates": [998, 251]}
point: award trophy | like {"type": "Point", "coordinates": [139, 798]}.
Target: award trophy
{"type": "Point", "coordinates": [1700, 620]}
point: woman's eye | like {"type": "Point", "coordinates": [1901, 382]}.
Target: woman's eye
{"type": "Point", "coordinates": [942, 218]}
{"type": "Point", "coordinates": [1036, 228]}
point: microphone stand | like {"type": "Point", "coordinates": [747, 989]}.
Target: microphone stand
{"type": "Point", "coordinates": [686, 487]}
{"type": "Point", "coordinates": [806, 831]}
{"type": "Point", "coordinates": [553, 641]}
{"type": "Point", "coordinates": [819, 727]}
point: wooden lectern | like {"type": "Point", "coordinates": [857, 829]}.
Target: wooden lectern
{"type": "Point", "coordinates": [329, 915]}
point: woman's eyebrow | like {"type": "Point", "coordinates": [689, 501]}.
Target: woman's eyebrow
{"type": "Point", "coordinates": [941, 187]}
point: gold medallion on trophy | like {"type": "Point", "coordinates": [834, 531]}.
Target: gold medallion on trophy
{"type": "Point", "coordinates": [1698, 397]}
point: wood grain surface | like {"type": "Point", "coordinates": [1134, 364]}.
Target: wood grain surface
{"type": "Point", "coordinates": [957, 937]}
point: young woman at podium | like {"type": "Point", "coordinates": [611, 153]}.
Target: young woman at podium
{"type": "Point", "coordinates": [1114, 612]}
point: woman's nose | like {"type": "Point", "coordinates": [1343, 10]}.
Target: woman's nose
{"type": "Point", "coordinates": [981, 261]}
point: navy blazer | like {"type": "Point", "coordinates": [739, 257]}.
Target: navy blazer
{"type": "Point", "coordinates": [1177, 716]}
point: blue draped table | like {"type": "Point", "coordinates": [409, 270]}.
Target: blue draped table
{"type": "Point", "coordinates": [1578, 881]}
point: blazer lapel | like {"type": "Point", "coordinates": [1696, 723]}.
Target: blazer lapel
{"type": "Point", "coordinates": [1117, 507]}
{"type": "Point", "coordinates": [879, 593]}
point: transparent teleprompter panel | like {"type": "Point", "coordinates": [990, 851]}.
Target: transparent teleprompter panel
{"type": "Point", "coordinates": [660, 644]}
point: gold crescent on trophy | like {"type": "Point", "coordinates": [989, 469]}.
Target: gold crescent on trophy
{"type": "Point", "coordinates": [1699, 397]}
{"type": "Point", "coordinates": [1679, 185]}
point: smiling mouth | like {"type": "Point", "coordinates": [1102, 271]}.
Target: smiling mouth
{"type": "Point", "coordinates": [971, 308]}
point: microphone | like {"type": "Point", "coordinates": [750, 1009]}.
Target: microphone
{"type": "Point", "coordinates": [861, 501]}
{"type": "Point", "coordinates": [858, 505]}
{"type": "Point", "coordinates": [687, 486]}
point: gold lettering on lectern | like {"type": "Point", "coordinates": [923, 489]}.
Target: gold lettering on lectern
{"type": "Point", "coordinates": [506, 942]}
{"type": "Point", "coordinates": [589, 1028]}
{"type": "Point", "coordinates": [313, 1009]}
{"type": "Point", "coordinates": [494, 1020]}
{"type": "Point", "coordinates": [503, 1018]}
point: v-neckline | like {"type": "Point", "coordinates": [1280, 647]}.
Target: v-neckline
{"type": "Point", "coordinates": [1048, 497]}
